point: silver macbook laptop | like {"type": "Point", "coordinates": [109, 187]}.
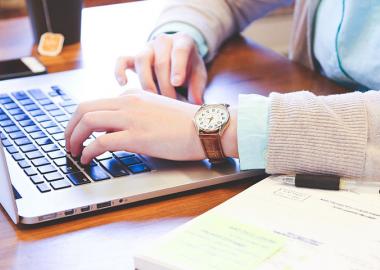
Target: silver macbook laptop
{"type": "Point", "coordinates": [39, 182]}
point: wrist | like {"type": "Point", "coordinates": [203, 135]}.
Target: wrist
{"type": "Point", "coordinates": [229, 137]}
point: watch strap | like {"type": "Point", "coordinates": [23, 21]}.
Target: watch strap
{"type": "Point", "coordinates": [212, 147]}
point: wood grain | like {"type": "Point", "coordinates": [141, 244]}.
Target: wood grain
{"type": "Point", "coordinates": [108, 240]}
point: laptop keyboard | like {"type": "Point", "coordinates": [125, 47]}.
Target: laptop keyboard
{"type": "Point", "coordinates": [32, 131]}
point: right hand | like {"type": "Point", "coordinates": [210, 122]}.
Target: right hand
{"type": "Point", "coordinates": [171, 61]}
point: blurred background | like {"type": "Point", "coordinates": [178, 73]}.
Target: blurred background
{"type": "Point", "coordinates": [272, 31]}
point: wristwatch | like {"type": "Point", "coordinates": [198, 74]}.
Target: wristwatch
{"type": "Point", "coordinates": [211, 120]}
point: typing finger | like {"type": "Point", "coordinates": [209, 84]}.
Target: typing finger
{"type": "Point", "coordinates": [94, 122]}
{"type": "Point", "coordinates": [162, 53]}
{"type": "Point", "coordinates": [108, 142]}
{"type": "Point", "coordinates": [143, 65]}
{"type": "Point", "coordinates": [122, 64]}
{"type": "Point", "coordinates": [110, 104]}
{"type": "Point", "coordinates": [181, 53]}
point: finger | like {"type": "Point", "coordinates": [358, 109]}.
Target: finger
{"type": "Point", "coordinates": [108, 142]}
{"type": "Point", "coordinates": [162, 53]}
{"type": "Point", "coordinates": [181, 53]}
{"type": "Point", "coordinates": [197, 80]}
{"type": "Point", "coordinates": [110, 104]}
{"type": "Point", "coordinates": [143, 66]}
{"type": "Point", "coordinates": [122, 64]}
{"type": "Point", "coordinates": [98, 121]}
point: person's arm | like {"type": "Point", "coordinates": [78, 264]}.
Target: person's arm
{"type": "Point", "coordinates": [337, 134]}
{"type": "Point", "coordinates": [217, 20]}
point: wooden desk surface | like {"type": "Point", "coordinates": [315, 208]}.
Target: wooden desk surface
{"type": "Point", "coordinates": [108, 240]}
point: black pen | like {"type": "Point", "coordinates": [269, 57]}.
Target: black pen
{"type": "Point", "coordinates": [327, 182]}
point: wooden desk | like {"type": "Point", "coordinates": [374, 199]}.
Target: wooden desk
{"type": "Point", "coordinates": [108, 240]}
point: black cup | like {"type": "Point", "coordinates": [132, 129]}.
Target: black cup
{"type": "Point", "coordinates": [61, 16]}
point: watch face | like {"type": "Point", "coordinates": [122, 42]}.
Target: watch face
{"type": "Point", "coordinates": [210, 118]}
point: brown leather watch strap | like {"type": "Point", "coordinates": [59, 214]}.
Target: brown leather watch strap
{"type": "Point", "coordinates": [212, 146]}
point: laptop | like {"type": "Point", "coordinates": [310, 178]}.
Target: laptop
{"type": "Point", "coordinates": [40, 182]}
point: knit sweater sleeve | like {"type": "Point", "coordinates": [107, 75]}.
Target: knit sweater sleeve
{"type": "Point", "coordinates": [337, 134]}
{"type": "Point", "coordinates": [216, 19]}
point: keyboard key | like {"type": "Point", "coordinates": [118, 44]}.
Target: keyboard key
{"type": "Point", "coordinates": [6, 100]}
{"type": "Point", "coordinates": [60, 184]}
{"type": "Point", "coordinates": [122, 154]}
{"type": "Point", "coordinates": [54, 176]}
{"type": "Point", "coordinates": [139, 168]}
{"type": "Point", "coordinates": [64, 124]}
{"type": "Point", "coordinates": [62, 143]}
{"type": "Point", "coordinates": [11, 106]}
{"type": "Point", "coordinates": [31, 107]}
{"type": "Point", "coordinates": [56, 112]}
{"type": "Point", "coordinates": [31, 129]}
{"type": "Point", "coordinates": [40, 162]}
{"type": "Point", "coordinates": [19, 95]}
{"type": "Point", "coordinates": [36, 113]}
{"type": "Point", "coordinates": [37, 94]}
{"type": "Point", "coordinates": [26, 101]}
{"type": "Point", "coordinates": [48, 124]}
{"type": "Point", "coordinates": [23, 164]}
{"type": "Point", "coordinates": [70, 109]}
{"type": "Point", "coordinates": [56, 154]}
{"type": "Point", "coordinates": [6, 143]}
{"type": "Point", "coordinates": [30, 171]}
{"type": "Point", "coordinates": [57, 90]}
{"type": "Point", "coordinates": [105, 155]}
{"type": "Point", "coordinates": [62, 161]}
{"type": "Point", "coordinates": [97, 173]}
{"type": "Point", "coordinates": [46, 169]}
{"type": "Point", "coordinates": [16, 135]}
{"type": "Point", "coordinates": [38, 135]}
{"type": "Point", "coordinates": [43, 187]}
{"type": "Point", "coordinates": [37, 179]}
{"type": "Point", "coordinates": [67, 103]}
{"type": "Point", "coordinates": [51, 107]}
{"type": "Point", "coordinates": [34, 154]}
{"type": "Point", "coordinates": [22, 141]}
{"type": "Point", "coordinates": [114, 167]}
{"type": "Point", "coordinates": [2, 136]}
{"type": "Point", "coordinates": [44, 141]}
{"type": "Point", "coordinates": [62, 118]}
{"type": "Point", "coordinates": [49, 147]}
{"type": "Point", "coordinates": [28, 148]}
{"type": "Point", "coordinates": [3, 117]}
{"type": "Point", "coordinates": [53, 94]}
{"type": "Point", "coordinates": [130, 160]}
{"type": "Point", "coordinates": [78, 178]}
{"type": "Point", "coordinates": [18, 156]}
{"type": "Point", "coordinates": [42, 118]}
{"type": "Point", "coordinates": [59, 136]}
{"type": "Point", "coordinates": [6, 123]}
{"type": "Point", "coordinates": [69, 168]}
{"type": "Point", "coordinates": [26, 123]}
{"type": "Point", "coordinates": [54, 130]}
{"type": "Point", "coordinates": [10, 129]}
{"type": "Point", "coordinates": [21, 117]}
{"type": "Point", "coordinates": [15, 111]}
{"type": "Point", "coordinates": [11, 149]}
{"type": "Point", "coordinates": [45, 101]}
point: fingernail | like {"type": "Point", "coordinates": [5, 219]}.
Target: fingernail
{"type": "Point", "coordinates": [176, 80]}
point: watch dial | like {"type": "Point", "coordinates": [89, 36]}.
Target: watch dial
{"type": "Point", "coordinates": [211, 117]}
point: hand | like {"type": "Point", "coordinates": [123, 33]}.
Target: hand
{"type": "Point", "coordinates": [172, 61]}
{"type": "Point", "coordinates": [142, 123]}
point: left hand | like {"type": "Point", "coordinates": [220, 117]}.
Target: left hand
{"type": "Point", "coordinates": [139, 122]}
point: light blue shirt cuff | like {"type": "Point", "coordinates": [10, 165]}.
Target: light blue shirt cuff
{"type": "Point", "coordinates": [252, 131]}
{"type": "Point", "coordinates": [193, 32]}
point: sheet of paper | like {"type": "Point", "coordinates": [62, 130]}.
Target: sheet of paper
{"type": "Point", "coordinates": [286, 228]}
{"type": "Point", "coordinates": [218, 243]}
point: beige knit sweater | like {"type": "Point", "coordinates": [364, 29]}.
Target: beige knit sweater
{"type": "Point", "coordinates": [338, 134]}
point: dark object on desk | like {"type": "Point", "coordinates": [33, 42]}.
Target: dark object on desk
{"type": "Point", "coordinates": [23, 67]}
{"type": "Point", "coordinates": [329, 182]}
{"type": "Point", "coordinates": [56, 16]}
